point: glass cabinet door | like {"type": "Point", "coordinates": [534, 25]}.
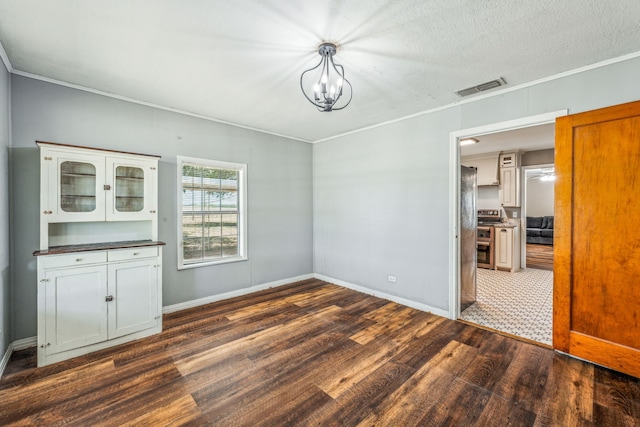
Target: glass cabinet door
{"type": "Point", "coordinates": [77, 187]}
{"type": "Point", "coordinates": [132, 189]}
{"type": "Point", "coordinates": [129, 189]}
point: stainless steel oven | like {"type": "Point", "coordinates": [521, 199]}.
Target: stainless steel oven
{"type": "Point", "coordinates": [484, 246]}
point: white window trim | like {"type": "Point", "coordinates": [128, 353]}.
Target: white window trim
{"type": "Point", "coordinates": [242, 209]}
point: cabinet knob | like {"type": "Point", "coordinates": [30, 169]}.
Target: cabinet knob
{"type": "Point", "coordinates": [152, 211]}
{"type": "Point", "coordinates": [107, 187]}
{"type": "Point", "coordinates": [47, 212]}
{"type": "Point", "coordinates": [78, 259]}
{"type": "Point", "coordinates": [136, 253]}
{"type": "Point", "coordinates": [109, 298]}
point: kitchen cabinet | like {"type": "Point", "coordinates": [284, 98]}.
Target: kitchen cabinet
{"type": "Point", "coordinates": [509, 190]}
{"type": "Point", "coordinates": [507, 248]}
{"type": "Point", "coordinates": [82, 184]}
{"type": "Point", "coordinates": [92, 300]}
{"type": "Point", "coordinates": [487, 168]}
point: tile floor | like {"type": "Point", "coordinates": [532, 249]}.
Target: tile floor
{"type": "Point", "coordinates": [517, 303]}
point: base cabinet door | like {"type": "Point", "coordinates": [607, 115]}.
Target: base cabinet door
{"type": "Point", "coordinates": [75, 308]}
{"type": "Point", "coordinates": [134, 288]}
{"type": "Point", "coordinates": [504, 245]}
{"type": "Point", "coordinates": [113, 298]}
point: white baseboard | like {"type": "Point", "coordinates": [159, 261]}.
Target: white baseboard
{"type": "Point", "coordinates": [5, 358]}
{"type": "Point", "coordinates": [232, 294]}
{"type": "Point", "coordinates": [15, 346]}
{"type": "Point", "coordinates": [394, 298]}
{"type": "Point", "coordinates": [25, 343]}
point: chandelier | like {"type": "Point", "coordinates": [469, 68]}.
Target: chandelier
{"type": "Point", "coordinates": [326, 88]}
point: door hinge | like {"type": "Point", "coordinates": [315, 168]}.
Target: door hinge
{"type": "Point", "coordinates": [152, 168]}
{"type": "Point", "coordinates": [45, 280]}
{"type": "Point", "coordinates": [45, 345]}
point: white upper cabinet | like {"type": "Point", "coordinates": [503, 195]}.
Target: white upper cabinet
{"type": "Point", "coordinates": [74, 187]}
{"type": "Point", "coordinates": [132, 193]}
{"type": "Point", "coordinates": [85, 185]}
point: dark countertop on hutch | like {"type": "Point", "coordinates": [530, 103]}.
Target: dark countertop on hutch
{"type": "Point", "coordinates": [57, 250]}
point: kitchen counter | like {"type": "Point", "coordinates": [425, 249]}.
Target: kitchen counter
{"type": "Point", "coordinates": [510, 223]}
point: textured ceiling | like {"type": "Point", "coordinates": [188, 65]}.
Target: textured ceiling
{"type": "Point", "coordinates": [240, 61]}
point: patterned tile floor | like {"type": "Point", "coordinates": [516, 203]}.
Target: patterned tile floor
{"type": "Point", "coordinates": [517, 303]}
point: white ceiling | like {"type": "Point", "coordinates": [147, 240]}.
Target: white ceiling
{"type": "Point", "coordinates": [526, 139]}
{"type": "Point", "coordinates": [240, 60]}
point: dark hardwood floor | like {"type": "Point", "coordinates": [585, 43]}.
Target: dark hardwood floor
{"type": "Point", "coordinates": [313, 353]}
{"type": "Point", "coordinates": [540, 256]}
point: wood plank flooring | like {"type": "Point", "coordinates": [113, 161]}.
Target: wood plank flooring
{"type": "Point", "coordinates": [316, 354]}
{"type": "Point", "coordinates": [540, 256]}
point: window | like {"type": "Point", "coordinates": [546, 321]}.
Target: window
{"type": "Point", "coordinates": [212, 215]}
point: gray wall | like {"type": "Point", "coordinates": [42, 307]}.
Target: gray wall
{"type": "Point", "coordinates": [381, 197]}
{"type": "Point", "coordinates": [279, 186]}
{"type": "Point", "coordinates": [539, 197]}
{"type": "Point", "coordinates": [538, 157]}
{"type": "Point", "coordinates": [5, 272]}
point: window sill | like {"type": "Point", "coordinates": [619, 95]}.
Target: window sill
{"type": "Point", "coordinates": [210, 263]}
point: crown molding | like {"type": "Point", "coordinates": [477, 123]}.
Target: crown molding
{"type": "Point", "coordinates": [492, 94]}
{"type": "Point", "coordinates": [150, 104]}
{"type": "Point", "coordinates": [5, 59]}
{"type": "Point", "coordinates": [7, 63]}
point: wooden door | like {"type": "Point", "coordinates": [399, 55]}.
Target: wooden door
{"type": "Point", "coordinates": [597, 237]}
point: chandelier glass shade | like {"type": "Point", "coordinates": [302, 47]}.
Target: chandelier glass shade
{"type": "Point", "coordinates": [327, 85]}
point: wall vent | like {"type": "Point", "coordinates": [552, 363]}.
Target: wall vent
{"type": "Point", "coordinates": [481, 87]}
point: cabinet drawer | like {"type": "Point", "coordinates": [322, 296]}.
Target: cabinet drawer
{"type": "Point", "coordinates": [133, 253]}
{"type": "Point", "coordinates": [78, 258]}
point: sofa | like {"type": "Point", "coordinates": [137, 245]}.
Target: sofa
{"type": "Point", "coordinates": [540, 230]}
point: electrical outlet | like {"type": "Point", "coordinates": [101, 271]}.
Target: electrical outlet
{"type": "Point", "coordinates": [391, 278]}
{"type": "Point", "coordinates": [515, 214]}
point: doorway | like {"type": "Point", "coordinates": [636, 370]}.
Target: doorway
{"type": "Point", "coordinates": [538, 187]}
{"type": "Point", "coordinates": [455, 152]}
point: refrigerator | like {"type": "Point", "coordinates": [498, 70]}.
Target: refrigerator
{"type": "Point", "coordinates": [468, 230]}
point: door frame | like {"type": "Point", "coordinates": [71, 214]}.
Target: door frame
{"type": "Point", "coordinates": [523, 209]}
{"type": "Point", "coordinates": [454, 190]}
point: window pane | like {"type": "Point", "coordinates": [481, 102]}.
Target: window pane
{"type": "Point", "coordinates": [230, 225]}
{"type": "Point", "coordinates": [213, 247]}
{"type": "Point", "coordinates": [212, 226]}
{"type": "Point", "coordinates": [211, 201]}
{"type": "Point", "coordinates": [229, 201]}
{"type": "Point", "coordinates": [192, 248]}
{"type": "Point", "coordinates": [191, 225]}
{"type": "Point", "coordinates": [229, 246]}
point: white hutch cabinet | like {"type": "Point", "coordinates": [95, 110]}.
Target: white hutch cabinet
{"type": "Point", "coordinates": [99, 263]}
